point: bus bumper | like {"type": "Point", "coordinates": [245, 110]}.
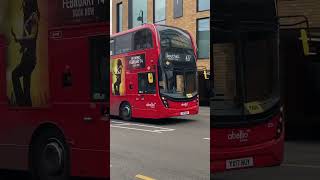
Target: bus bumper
{"type": "Point", "coordinates": [167, 113]}
{"type": "Point", "coordinates": [179, 112]}
{"type": "Point", "coordinates": [266, 154]}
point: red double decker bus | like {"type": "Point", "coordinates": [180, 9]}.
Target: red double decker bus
{"type": "Point", "coordinates": [247, 127]}
{"type": "Point", "coordinates": [54, 95]}
{"type": "Point", "coordinates": [153, 73]}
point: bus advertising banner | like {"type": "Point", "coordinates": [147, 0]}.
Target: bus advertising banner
{"type": "Point", "coordinates": [136, 61]}
{"type": "Point", "coordinates": [77, 12]}
{"type": "Point", "coordinates": [25, 28]}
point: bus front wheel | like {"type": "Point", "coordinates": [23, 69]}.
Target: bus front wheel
{"type": "Point", "coordinates": [125, 111]}
{"type": "Point", "coordinates": [50, 157]}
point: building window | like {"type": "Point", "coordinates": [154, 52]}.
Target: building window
{"type": "Point", "coordinates": [137, 8]}
{"type": "Point", "coordinates": [178, 8]}
{"type": "Point", "coordinates": [159, 11]}
{"type": "Point", "coordinates": [203, 5]}
{"type": "Point", "coordinates": [203, 38]}
{"type": "Point", "coordinates": [119, 17]}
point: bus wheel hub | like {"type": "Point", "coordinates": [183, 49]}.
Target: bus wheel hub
{"type": "Point", "coordinates": [126, 111]}
{"type": "Point", "coordinates": [53, 158]}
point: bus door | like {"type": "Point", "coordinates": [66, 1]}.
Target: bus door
{"type": "Point", "coordinates": [143, 64]}
{"type": "Point", "coordinates": [146, 91]}
{"type": "Point", "coordinates": [99, 59]}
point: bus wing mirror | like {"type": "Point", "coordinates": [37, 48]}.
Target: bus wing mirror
{"type": "Point", "coordinates": [150, 78]}
{"type": "Point", "coordinates": [205, 74]}
{"type": "Point", "coordinates": [305, 42]}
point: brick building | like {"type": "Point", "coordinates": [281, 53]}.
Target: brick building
{"type": "Point", "coordinates": [191, 15]}
{"type": "Point", "coordinates": [309, 8]}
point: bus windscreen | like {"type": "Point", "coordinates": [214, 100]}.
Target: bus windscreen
{"type": "Point", "coordinates": [177, 65]}
{"type": "Point", "coordinates": [246, 74]}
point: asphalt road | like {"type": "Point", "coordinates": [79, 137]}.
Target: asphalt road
{"type": "Point", "coordinates": [302, 161]}
{"type": "Point", "coordinates": [169, 149]}
{"type": "Point", "coordinates": [178, 149]}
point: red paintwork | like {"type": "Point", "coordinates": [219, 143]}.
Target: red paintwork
{"type": "Point", "coordinates": [138, 101]}
{"type": "Point", "coordinates": [262, 144]}
{"type": "Point", "coordinates": [89, 141]}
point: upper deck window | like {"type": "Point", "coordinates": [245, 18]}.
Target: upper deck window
{"type": "Point", "coordinates": [123, 44]}
{"type": "Point", "coordinates": [174, 38]}
{"type": "Point", "coordinates": [133, 41]}
{"type": "Point", "coordinates": [142, 39]}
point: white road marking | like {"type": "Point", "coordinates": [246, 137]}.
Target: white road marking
{"type": "Point", "coordinates": [301, 166]}
{"type": "Point", "coordinates": [135, 129]}
{"type": "Point", "coordinates": [139, 127]}
{"type": "Point", "coordinates": [206, 139]}
{"type": "Point", "coordinates": [117, 122]}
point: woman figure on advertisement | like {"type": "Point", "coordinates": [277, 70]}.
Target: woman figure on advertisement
{"type": "Point", "coordinates": [118, 73]}
{"type": "Point", "coordinates": [28, 43]}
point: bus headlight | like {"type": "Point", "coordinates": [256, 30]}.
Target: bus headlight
{"type": "Point", "coordinates": [165, 102]}
{"type": "Point", "coordinates": [280, 125]}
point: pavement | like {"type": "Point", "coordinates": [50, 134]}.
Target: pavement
{"type": "Point", "coordinates": [168, 149]}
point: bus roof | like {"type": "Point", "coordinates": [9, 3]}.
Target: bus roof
{"type": "Point", "coordinates": [150, 26]}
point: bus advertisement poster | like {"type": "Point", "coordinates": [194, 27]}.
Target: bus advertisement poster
{"type": "Point", "coordinates": [118, 76]}
{"type": "Point", "coordinates": [26, 33]}
{"type": "Point", "coordinates": [136, 61]}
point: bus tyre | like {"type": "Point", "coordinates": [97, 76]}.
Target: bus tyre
{"type": "Point", "coordinates": [50, 157]}
{"type": "Point", "coordinates": [125, 111]}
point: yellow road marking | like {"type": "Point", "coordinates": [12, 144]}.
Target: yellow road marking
{"type": "Point", "coordinates": [139, 176]}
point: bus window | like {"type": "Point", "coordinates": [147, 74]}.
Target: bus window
{"type": "Point", "coordinates": [261, 65]}
{"type": "Point", "coordinates": [192, 82]}
{"type": "Point", "coordinates": [142, 39]}
{"type": "Point", "coordinates": [146, 87]}
{"type": "Point", "coordinates": [123, 44]}
{"type": "Point", "coordinates": [99, 69]}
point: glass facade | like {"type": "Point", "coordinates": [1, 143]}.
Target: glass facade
{"type": "Point", "coordinates": [203, 5]}
{"type": "Point", "coordinates": [203, 38]}
{"type": "Point", "coordinates": [159, 11]}
{"type": "Point", "coordinates": [136, 7]}
{"type": "Point", "coordinates": [119, 17]}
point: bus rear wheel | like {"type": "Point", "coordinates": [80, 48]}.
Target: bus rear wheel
{"type": "Point", "coordinates": [125, 111]}
{"type": "Point", "coordinates": [50, 157]}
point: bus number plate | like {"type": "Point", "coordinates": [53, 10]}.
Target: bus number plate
{"type": "Point", "coordinates": [184, 113]}
{"type": "Point", "coordinates": [239, 163]}
{"type": "Point", "coordinates": [254, 107]}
